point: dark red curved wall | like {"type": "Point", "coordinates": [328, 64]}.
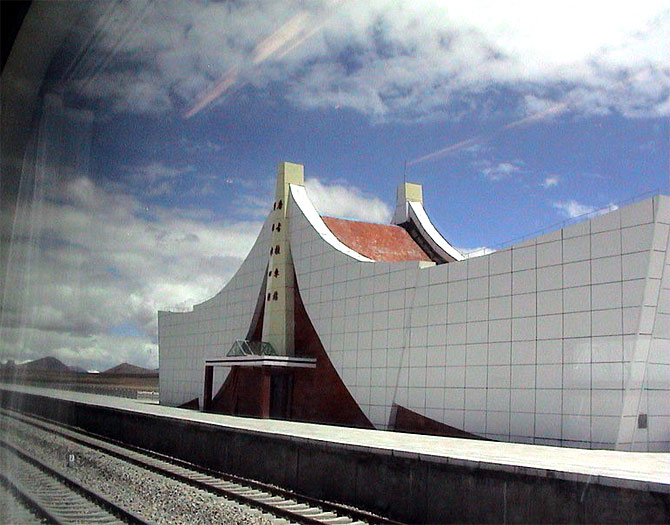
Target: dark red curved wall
{"type": "Point", "coordinates": [318, 394]}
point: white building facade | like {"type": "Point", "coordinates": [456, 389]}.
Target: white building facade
{"type": "Point", "coordinates": [562, 339]}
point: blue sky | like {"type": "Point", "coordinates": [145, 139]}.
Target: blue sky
{"type": "Point", "coordinates": [164, 124]}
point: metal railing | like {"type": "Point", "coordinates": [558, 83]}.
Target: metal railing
{"type": "Point", "coordinates": [242, 347]}
{"type": "Point", "coordinates": [562, 224]}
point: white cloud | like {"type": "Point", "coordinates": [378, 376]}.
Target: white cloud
{"type": "Point", "coordinates": [89, 275]}
{"type": "Point", "coordinates": [204, 147]}
{"type": "Point", "coordinates": [502, 170]}
{"type": "Point", "coordinates": [253, 206]}
{"type": "Point", "coordinates": [346, 201]}
{"type": "Point", "coordinates": [469, 253]}
{"type": "Point", "coordinates": [156, 178]}
{"type": "Point", "coordinates": [572, 208]}
{"type": "Point", "coordinates": [157, 171]}
{"type": "Point", "coordinates": [98, 352]}
{"type": "Point", "coordinates": [550, 181]}
{"type": "Point", "coordinates": [388, 60]}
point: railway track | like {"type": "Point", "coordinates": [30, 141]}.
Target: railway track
{"type": "Point", "coordinates": [52, 495]}
{"type": "Point", "coordinates": [282, 504]}
{"type": "Point", "coordinates": [15, 510]}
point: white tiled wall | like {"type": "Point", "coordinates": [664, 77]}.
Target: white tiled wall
{"type": "Point", "coordinates": [563, 339]}
{"type": "Point", "coordinates": [187, 339]}
{"type": "Point", "coordinates": [647, 370]}
{"type": "Point", "coordinates": [533, 343]}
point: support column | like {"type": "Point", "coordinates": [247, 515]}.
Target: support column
{"type": "Point", "coordinates": [266, 379]}
{"type": "Point", "coordinates": [207, 394]}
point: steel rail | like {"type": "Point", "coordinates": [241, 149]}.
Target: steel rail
{"type": "Point", "coordinates": [274, 500]}
{"type": "Point", "coordinates": [16, 508]}
{"type": "Point", "coordinates": [57, 496]}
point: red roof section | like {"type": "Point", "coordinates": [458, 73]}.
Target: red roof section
{"type": "Point", "coordinates": [379, 242]}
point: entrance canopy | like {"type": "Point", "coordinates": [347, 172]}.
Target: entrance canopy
{"type": "Point", "coordinates": [263, 360]}
{"type": "Point", "coordinates": [261, 355]}
{"type": "Point", "coordinates": [258, 353]}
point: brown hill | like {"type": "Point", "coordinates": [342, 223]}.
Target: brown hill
{"type": "Point", "coordinates": [45, 364]}
{"type": "Point", "coordinates": [126, 369]}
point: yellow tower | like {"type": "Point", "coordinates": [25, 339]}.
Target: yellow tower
{"type": "Point", "coordinates": [278, 322]}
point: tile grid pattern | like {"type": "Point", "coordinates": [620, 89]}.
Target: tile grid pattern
{"type": "Point", "coordinates": [561, 340]}
{"type": "Point", "coordinates": [570, 299]}
{"type": "Point", "coordinates": [647, 389]}
{"type": "Point", "coordinates": [186, 339]}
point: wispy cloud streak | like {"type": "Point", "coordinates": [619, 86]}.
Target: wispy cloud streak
{"type": "Point", "coordinates": [485, 137]}
{"type": "Point", "coordinates": [283, 41]}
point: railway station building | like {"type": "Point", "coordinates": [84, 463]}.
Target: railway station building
{"type": "Point", "coordinates": [562, 339]}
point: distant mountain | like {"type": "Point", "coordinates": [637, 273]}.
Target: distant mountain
{"type": "Point", "coordinates": [45, 364]}
{"type": "Point", "coordinates": [126, 369]}
{"type": "Point", "coordinates": [51, 364]}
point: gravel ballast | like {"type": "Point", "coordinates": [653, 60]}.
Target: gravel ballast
{"type": "Point", "coordinates": [156, 498]}
{"type": "Point", "coordinates": [12, 510]}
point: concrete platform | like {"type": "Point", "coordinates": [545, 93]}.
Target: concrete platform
{"type": "Point", "coordinates": [409, 477]}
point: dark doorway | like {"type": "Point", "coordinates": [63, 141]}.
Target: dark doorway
{"type": "Point", "coordinates": [281, 386]}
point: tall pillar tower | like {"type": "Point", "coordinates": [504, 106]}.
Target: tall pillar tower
{"type": "Point", "coordinates": [278, 320]}
{"type": "Point", "coordinates": [407, 192]}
